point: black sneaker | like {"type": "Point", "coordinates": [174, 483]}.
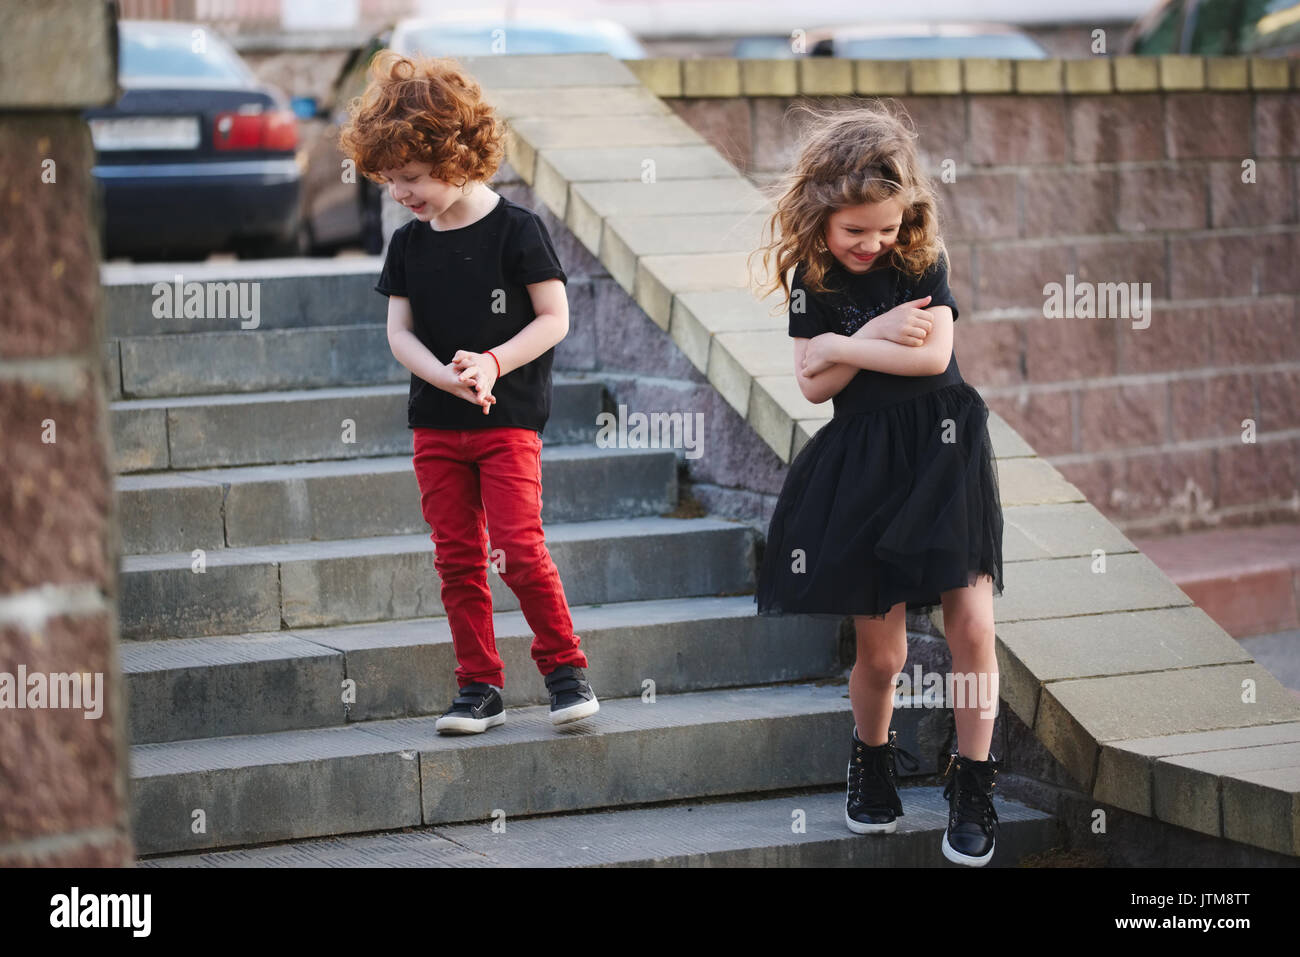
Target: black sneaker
{"type": "Point", "coordinates": [873, 804]}
{"type": "Point", "coordinates": [972, 821]}
{"type": "Point", "coordinates": [571, 696]}
{"type": "Point", "coordinates": [476, 708]}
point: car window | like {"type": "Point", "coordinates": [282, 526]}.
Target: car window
{"type": "Point", "coordinates": [179, 54]}
{"type": "Point", "coordinates": [1270, 24]}
{"type": "Point", "coordinates": [1166, 35]}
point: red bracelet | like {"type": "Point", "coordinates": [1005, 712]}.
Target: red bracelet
{"type": "Point", "coordinates": [496, 360]}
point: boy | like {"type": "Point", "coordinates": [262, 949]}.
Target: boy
{"type": "Point", "coordinates": [476, 305]}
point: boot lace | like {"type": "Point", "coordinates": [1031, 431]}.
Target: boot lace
{"type": "Point", "coordinates": [973, 802]}
{"type": "Point", "coordinates": [884, 768]}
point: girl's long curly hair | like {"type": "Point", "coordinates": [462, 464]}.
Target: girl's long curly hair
{"type": "Point", "coordinates": [847, 158]}
{"type": "Point", "coordinates": [426, 110]}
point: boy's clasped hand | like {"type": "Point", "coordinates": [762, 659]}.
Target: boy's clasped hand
{"type": "Point", "coordinates": [473, 375]}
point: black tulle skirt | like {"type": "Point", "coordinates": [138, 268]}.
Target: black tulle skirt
{"type": "Point", "coordinates": [895, 504]}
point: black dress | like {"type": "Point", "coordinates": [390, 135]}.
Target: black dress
{"type": "Point", "coordinates": [896, 497]}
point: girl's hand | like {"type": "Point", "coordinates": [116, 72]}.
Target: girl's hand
{"type": "Point", "coordinates": [478, 373]}
{"type": "Point", "coordinates": [816, 356]}
{"type": "Point", "coordinates": [907, 324]}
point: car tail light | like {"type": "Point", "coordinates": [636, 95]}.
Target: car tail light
{"type": "Point", "coordinates": [253, 128]}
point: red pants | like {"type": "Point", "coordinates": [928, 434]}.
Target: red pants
{"type": "Point", "coordinates": [465, 477]}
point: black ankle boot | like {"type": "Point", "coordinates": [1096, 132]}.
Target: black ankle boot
{"type": "Point", "coordinates": [873, 803]}
{"type": "Point", "coordinates": [972, 820]}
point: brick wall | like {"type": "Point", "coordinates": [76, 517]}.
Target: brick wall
{"type": "Point", "coordinates": [63, 770]}
{"type": "Point", "coordinates": [1107, 170]}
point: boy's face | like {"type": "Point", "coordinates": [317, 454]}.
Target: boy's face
{"type": "Point", "coordinates": [415, 188]}
{"type": "Point", "coordinates": [857, 235]}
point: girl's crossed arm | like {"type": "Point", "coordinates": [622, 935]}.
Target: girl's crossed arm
{"type": "Point", "coordinates": [825, 364]}
{"type": "Point", "coordinates": [882, 355]}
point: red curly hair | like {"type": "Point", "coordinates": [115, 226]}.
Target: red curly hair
{"type": "Point", "coordinates": [423, 110]}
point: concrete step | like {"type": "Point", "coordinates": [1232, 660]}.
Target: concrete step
{"type": "Point", "coordinates": [361, 498]}
{"type": "Point", "coordinates": [748, 832]}
{"type": "Point", "coordinates": [380, 775]}
{"type": "Point", "coordinates": [263, 428]}
{"type": "Point", "coordinates": [279, 681]}
{"type": "Point", "coordinates": [309, 584]}
{"type": "Point", "coordinates": [290, 294]}
{"type": "Point", "coordinates": [209, 363]}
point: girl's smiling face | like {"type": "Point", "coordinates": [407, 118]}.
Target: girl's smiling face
{"type": "Point", "coordinates": [415, 188]}
{"type": "Point", "coordinates": [857, 235]}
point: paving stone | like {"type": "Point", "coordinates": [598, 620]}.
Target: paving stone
{"type": "Point", "coordinates": [1186, 788]}
{"type": "Point", "coordinates": [1263, 808]}
{"type": "Point", "coordinates": [1035, 652]}
{"type": "Point", "coordinates": [557, 168]}
{"type": "Point", "coordinates": [1031, 481]}
{"type": "Point", "coordinates": [1125, 768]}
{"type": "Point", "coordinates": [627, 238]}
{"type": "Point", "coordinates": [1076, 718]}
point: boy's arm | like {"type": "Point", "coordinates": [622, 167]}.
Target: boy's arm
{"type": "Point", "coordinates": [406, 346]}
{"type": "Point", "coordinates": [881, 355]}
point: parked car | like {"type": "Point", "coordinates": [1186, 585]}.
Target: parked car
{"type": "Point", "coordinates": [196, 155]}
{"type": "Point", "coordinates": [340, 210]}
{"type": "Point", "coordinates": [918, 41]}
{"type": "Point", "coordinates": [1218, 28]}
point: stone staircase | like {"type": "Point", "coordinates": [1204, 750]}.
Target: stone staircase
{"type": "Point", "coordinates": [285, 651]}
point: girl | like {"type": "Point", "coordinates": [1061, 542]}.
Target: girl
{"type": "Point", "coordinates": [894, 503]}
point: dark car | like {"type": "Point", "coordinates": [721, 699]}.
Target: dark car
{"type": "Point", "coordinates": [196, 156]}
{"type": "Point", "coordinates": [1218, 28]}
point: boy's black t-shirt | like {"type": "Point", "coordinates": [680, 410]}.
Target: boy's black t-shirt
{"type": "Point", "coordinates": [468, 289]}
